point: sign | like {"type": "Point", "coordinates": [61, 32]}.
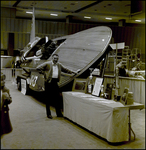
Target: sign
{"type": "Point", "coordinates": [97, 86]}
{"type": "Point", "coordinates": [23, 86]}
{"type": "Point", "coordinates": [118, 45]}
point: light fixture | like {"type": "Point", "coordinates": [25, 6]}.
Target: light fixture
{"type": "Point", "coordinates": [28, 12]}
{"type": "Point", "coordinates": [108, 18]}
{"type": "Point", "coordinates": [54, 14]}
{"type": "Point", "coordinates": [87, 17]}
{"type": "Point", "coordinates": [138, 20]}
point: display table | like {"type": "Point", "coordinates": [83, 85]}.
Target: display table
{"type": "Point", "coordinates": [106, 118]}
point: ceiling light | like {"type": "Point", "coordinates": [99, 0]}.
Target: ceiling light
{"type": "Point", "coordinates": [28, 12]}
{"type": "Point", "coordinates": [72, 4]}
{"type": "Point", "coordinates": [87, 17]}
{"type": "Point", "coordinates": [54, 14]}
{"type": "Point", "coordinates": [138, 20]}
{"type": "Point", "coordinates": [108, 18]}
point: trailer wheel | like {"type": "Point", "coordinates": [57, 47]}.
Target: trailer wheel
{"type": "Point", "coordinates": [19, 85]}
{"type": "Point", "coordinates": [27, 88]}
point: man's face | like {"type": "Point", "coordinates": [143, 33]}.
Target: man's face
{"type": "Point", "coordinates": [2, 83]}
{"type": "Point", "coordinates": [55, 59]}
{"type": "Point", "coordinates": [3, 77]}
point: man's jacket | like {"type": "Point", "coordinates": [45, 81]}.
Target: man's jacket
{"type": "Point", "coordinates": [47, 69]}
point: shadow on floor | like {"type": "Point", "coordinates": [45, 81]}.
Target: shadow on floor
{"type": "Point", "coordinates": [40, 96]}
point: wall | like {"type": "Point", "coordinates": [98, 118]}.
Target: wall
{"type": "Point", "coordinates": [133, 36]}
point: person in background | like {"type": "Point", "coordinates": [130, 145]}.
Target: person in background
{"type": "Point", "coordinates": [52, 73]}
{"type": "Point", "coordinates": [6, 99]}
{"type": "Point", "coordinates": [121, 69]}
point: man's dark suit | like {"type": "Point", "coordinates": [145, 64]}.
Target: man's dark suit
{"type": "Point", "coordinates": [51, 85]}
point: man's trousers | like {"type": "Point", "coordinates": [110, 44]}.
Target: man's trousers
{"type": "Point", "coordinates": [52, 96]}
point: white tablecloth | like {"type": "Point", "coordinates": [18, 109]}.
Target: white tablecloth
{"type": "Point", "coordinates": [106, 118]}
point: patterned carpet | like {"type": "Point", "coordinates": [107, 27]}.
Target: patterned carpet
{"type": "Point", "coordinates": [33, 130]}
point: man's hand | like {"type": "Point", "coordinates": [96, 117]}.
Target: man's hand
{"type": "Point", "coordinates": [41, 71]}
{"type": "Point", "coordinates": [76, 72]}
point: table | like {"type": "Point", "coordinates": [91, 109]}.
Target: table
{"type": "Point", "coordinates": [106, 118]}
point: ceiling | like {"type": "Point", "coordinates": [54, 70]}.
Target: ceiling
{"type": "Point", "coordinates": [76, 10]}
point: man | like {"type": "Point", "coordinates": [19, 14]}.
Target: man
{"type": "Point", "coordinates": [121, 69]}
{"type": "Point", "coordinates": [52, 73]}
{"type": "Point", "coordinates": [6, 99]}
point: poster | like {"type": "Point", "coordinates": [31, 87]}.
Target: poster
{"type": "Point", "coordinates": [23, 86]}
{"type": "Point", "coordinates": [97, 86]}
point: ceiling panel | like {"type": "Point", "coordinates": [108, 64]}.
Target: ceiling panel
{"type": "Point", "coordinates": [107, 7]}
{"type": "Point", "coordinates": [56, 5]}
{"type": "Point", "coordinates": [7, 3]}
{"type": "Point", "coordinates": [101, 9]}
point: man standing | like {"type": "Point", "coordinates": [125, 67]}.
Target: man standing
{"type": "Point", "coordinates": [6, 99]}
{"type": "Point", "coordinates": [52, 73]}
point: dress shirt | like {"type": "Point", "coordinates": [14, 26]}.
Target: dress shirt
{"type": "Point", "coordinates": [55, 71]}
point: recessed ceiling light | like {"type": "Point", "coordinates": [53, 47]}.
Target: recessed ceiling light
{"type": "Point", "coordinates": [138, 20]}
{"type": "Point", "coordinates": [108, 18]}
{"type": "Point", "coordinates": [87, 17]}
{"type": "Point", "coordinates": [72, 4]}
{"type": "Point", "coordinates": [54, 14]}
{"type": "Point", "coordinates": [28, 12]}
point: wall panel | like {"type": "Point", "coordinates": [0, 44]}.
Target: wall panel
{"type": "Point", "coordinates": [16, 41]}
{"type": "Point", "coordinates": [44, 26]}
{"type": "Point", "coordinates": [8, 25]}
{"type": "Point", "coordinates": [127, 37]}
{"type": "Point", "coordinates": [28, 26]}
{"type": "Point", "coordinates": [61, 28]}
{"type": "Point", "coordinates": [40, 27]}
{"type": "Point", "coordinates": [12, 25]}
{"type": "Point", "coordinates": [24, 26]}
{"type": "Point", "coordinates": [23, 40]}
{"type": "Point", "coordinates": [20, 39]}
{"type": "Point", "coordinates": [4, 40]}
{"type": "Point", "coordinates": [70, 27]}
{"type": "Point", "coordinates": [36, 26]}
{"type": "Point", "coordinates": [48, 28]}
{"type": "Point", "coordinates": [55, 28]}
{"type": "Point", "coordinates": [20, 25]}
{"type": "Point", "coordinates": [134, 37]}
{"type": "Point", "coordinates": [4, 24]}
{"type": "Point", "coordinates": [16, 25]}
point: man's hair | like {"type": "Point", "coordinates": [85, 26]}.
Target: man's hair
{"type": "Point", "coordinates": [55, 54]}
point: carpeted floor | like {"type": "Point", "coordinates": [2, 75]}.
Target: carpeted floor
{"type": "Point", "coordinates": [33, 130]}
